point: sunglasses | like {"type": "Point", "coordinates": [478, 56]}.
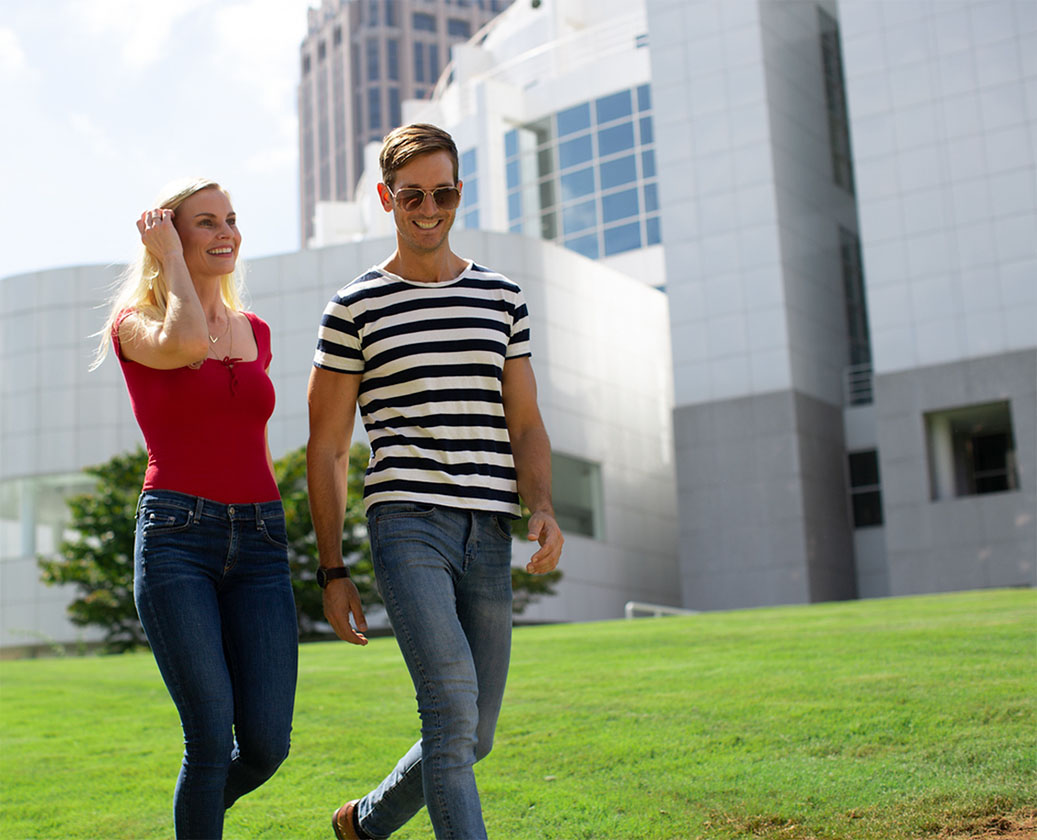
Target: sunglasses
{"type": "Point", "coordinates": [410, 199]}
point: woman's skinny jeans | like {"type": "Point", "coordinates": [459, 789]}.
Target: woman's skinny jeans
{"type": "Point", "coordinates": [214, 595]}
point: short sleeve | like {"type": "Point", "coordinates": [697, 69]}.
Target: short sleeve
{"type": "Point", "coordinates": [338, 340]}
{"type": "Point", "coordinates": [518, 342]}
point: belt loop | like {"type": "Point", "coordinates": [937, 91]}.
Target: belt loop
{"type": "Point", "coordinates": [136, 513]}
{"type": "Point", "coordinates": [259, 516]}
{"type": "Point", "coordinates": [198, 506]}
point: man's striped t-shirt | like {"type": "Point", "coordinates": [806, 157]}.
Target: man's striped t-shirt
{"type": "Point", "coordinates": [431, 358]}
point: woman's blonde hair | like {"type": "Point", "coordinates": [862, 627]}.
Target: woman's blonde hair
{"type": "Point", "coordinates": [142, 287]}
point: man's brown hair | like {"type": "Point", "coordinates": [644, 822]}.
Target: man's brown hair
{"type": "Point", "coordinates": [401, 145]}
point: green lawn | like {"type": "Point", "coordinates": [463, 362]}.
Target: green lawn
{"type": "Point", "coordinates": [880, 719]}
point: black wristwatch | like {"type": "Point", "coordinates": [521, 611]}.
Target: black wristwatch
{"type": "Point", "coordinates": [325, 575]}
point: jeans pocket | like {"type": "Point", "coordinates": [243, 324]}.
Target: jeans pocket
{"type": "Point", "coordinates": [159, 517]}
{"type": "Point", "coordinates": [275, 531]}
{"type": "Point", "coordinates": [502, 525]}
{"type": "Point", "coordinates": [400, 510]}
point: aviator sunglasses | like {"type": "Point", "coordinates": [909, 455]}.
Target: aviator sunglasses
{"type": "Point", "coordinates": [410, 198]}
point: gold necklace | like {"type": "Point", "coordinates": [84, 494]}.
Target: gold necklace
{"type": "Point", "coordinates": [225, 329]}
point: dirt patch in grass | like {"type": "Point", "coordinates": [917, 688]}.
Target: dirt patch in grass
{"type": "Point", "coordinates": [1020, 825]}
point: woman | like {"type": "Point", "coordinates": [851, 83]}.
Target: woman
{"type": "Point", "coordinates": [211, 575]}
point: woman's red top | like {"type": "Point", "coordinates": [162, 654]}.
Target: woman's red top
{"type": "Point", "coordinates": [205, 428]}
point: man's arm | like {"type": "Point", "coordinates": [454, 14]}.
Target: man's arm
{"type": "Point", "coordinates": [532, 451]}
{"type": "Point", "coordinates": [332, 401]}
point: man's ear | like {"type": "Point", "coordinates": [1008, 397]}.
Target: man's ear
{"type": "Point", "coordinates": [386, 198]}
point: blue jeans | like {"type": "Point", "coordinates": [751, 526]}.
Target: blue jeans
{"type": "Point", "coordinates": [445, 577]}
{"type": "Point", "coordinates": [214, 595]}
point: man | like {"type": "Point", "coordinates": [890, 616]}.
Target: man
{"type": "Point", "coordinates": [435, 351]}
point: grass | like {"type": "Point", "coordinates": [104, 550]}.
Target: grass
{"type": "Point", "coordinates": [864, 720]}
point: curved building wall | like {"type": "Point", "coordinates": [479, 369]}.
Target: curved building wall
{"type": "Point", "coordinates": [601, 350]}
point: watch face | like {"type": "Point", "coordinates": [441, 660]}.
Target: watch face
{"type": "Point", "coordinates": [322, 577]}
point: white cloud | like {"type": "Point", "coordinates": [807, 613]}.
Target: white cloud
{"type": "Point", "coordinates": [143, 28]}
{"type": "Point", "coordinates": [12, 56]}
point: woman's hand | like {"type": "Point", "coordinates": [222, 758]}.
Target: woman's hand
{"type": "Point", "coordinates": [158, 234]}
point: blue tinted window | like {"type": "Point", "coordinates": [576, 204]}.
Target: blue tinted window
{"type": "Point", "coordinates": [651, 198]}
{"type": "Point", "coordinates": [374, 108]}
{"type": "Point", "coordinates": [578, 184]}
{"type": "Point", "coordinates": [513, 176]}
{"type": "Point", "coordinates": [644, 98]}
{"type": "Point", "coordinates": [514, 206]}
{"type": "Point", "coordinates": [470, 191]}
{"type": "Point", "coordinates": [419, 61]}
{"type": "Point", "coordinates": [424, 22]}
{"type": "Point", "coordinates": [511, 143]}
{"type": "Point", "coordinates": [613, 107]}
{"type": "Point", "coordinates": [586, 245]}
{"type": "Point", "coordinates": [433, 62]}
{"type": "Point", "coordinates": [392, 57]}
{"type": "Point", "coordinates": [647, 135]}
{"type": "Point", "coordinates": [458, 28]}
{"type": "Point", "coordinates": [652, 234]}
{"type": "Point", "coordinates": [468, 163]}
{"type": "Point", "coordinates": [372, 59]}
{"type": "Point", "coordinates": [622, 238]}
{"type": "Point", "coordinates": [648, 164]}
{"type": "Point", "coordinates": [617, 172]}
{"type": "Point", "coordinates": [395, 116]}
{"type": "Point", "coordinates": [619, 138]}
{"type": "Point", "coordinates": [619, 205]}
{"type": "Point", "coordinates": [572, 152]}
{"type": "Point", "coordinates": [515, 228]}
{"type": "Point", "coordinates": [579, 217]}
{"type": "Point", "coordinates": [574, 119]}
{"type": "Point", "coordinates": [471, 220]}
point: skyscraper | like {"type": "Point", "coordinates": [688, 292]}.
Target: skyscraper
{"type": "Point", "coordinates": [360, 59]}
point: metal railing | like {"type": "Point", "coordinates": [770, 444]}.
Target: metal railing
{"type": "Point", "coordinates": [632, 608]}
{"type": "Point", "coordinates": [858, 384]}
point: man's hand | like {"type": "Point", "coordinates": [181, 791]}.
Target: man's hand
{"type": "Point", "coordinates": [544, 530]}
{"type": "Point", "coordinates": [341, 599]}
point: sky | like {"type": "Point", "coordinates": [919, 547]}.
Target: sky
{"type": "Point", "coordinates": [102, 102]}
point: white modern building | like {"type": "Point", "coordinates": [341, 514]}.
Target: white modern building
{"type": "Point", "coordinates": [782, 261]}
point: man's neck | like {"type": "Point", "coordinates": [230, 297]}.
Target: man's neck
{"type": "Point", "coordinates": [426, 268]}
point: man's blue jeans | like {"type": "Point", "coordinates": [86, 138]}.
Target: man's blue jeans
{"type": "Point", "coordinates": [214, 595]}
{"type": "Point", "coordinates": [445, 577]}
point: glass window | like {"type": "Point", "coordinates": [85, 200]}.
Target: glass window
{"type": "Point", "coordinates": [511, 143]}
{"type": "Point", "coordinates": [574, 119]}
{"type": "Point", "coordinates": [648, 164]}
{"type": "Point", "coordinates": [620, 205]}
{"type": "Point", "coordinates": [579, 217]}
{"type": "Point", "coordinates": [514, 206]}
{"type": "Point", "coordinates": [576, 151]}
{"type": "Point", "coordinates": [395, 116]}
{"type": "Point", "coordinates": [390, 12]}
{"type": "Point", "coordinates": [471, 220]}
{"type": "Point", "coordinates": [305, 65]}
{"type": "Point", "coordinates": [392, 58]}
{"type": "Point", "coordinates": [653, 235]}
{"type": "Point", "coordinates": [644, 98]}
{"type": "Point", "coordinates": [586, 245]}
{"type": "Point", "coordinates": [419, 61]}
{"type": "Point", "coordinates": [576, 493]}
{"type": "Point", "coordinates": [548, 225]}
{"type": "Point", "coordinates": [372, 59]}
{"type": "Point", "coordinates": [578, 184]}
{"type": "Point", "coordinates": [374, 108]}
{"type": "Point", "coordinates": [321, 51]}
{"type": "Point", "coordinates": [516, 227]}
{"type": "Point", "coordinates": [615, 173]}
{"type": "Point", "coordinates": [458, 28]}
{"type": "Point", "coordinates": [651, 197]}
{"type": "Point", "coordinates": [467, 164]}
{"type": "Point", "coordinates": [547, 193]}
{"type": "Point", "coordinates": [647, 134]}
{"type": "Point", "coordinates": [622, 238]}
{"type": "Point", "coordinates": [865, 490]}
{"type": "Point", "coordinates": [423, 22]}
{"type": "Point", "coordinates": [619, 138]}
{"type": "Point", "coordinates": [613, 107]}
{"type": "Point", "coordinates": [971, 451]}
{"type": "Point", "coordinates": [470, 191]}
{"type": "Point", "coordinates": [513, 175]}
{"type": "Point", "coordinates": [336, 37]}
{"type": "Point", "coordinates": [433, 62]}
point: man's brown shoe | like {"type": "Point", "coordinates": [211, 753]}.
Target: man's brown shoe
{"type": "Point", "coordinates": [342, 822]}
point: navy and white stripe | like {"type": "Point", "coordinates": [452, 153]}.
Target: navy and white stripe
{"type": "Point", "coordinates": [431, 358]}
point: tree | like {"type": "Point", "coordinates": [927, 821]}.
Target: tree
{"type": "Point", "coordinates": [97, 557]}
